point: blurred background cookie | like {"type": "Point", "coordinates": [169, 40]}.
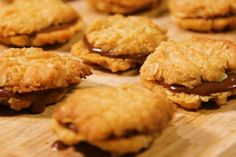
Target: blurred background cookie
{"type": "Point", "coordinates": [33, 78]}
{"type": "Point", "coordinates": [119, 43]}
{"type": "Point", "coordinates": [193, 71]}
{"type": "Point", "coordinates": [124, 119]}
{"type": "Point", "coordinates": [30, 23]}
{"type": "Point", "coordinates": [123, 6]}
{"type": "Point", "coordinates": [5, 2]}
{"type": "Point", "coordinates": [204, 15]}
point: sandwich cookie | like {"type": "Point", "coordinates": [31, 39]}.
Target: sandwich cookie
{"type": "Point", "coordinates": [124, 119]}
{"type": "Point", "coordinates": [32, 78]}
{"type": "Point", "coordinates": [30, 23]}
{"type": "Point", "coordinates": [192, 71]}
{"type": "Point", "coordinates": [118, 43]}
{"type": "Point", "coordinates": [204, 15]}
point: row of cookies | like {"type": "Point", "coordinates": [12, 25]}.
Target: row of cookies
{"type": "Point", "coordinates": [176, 66]}
{"type": "Point", "coordinates": [39, 25]}
{"type": "Point", "coordinates": [123, 119]}
{"type": "Point", "coordinates": [203, 15]}
{"type": "Point", "coordinates": [31, 27]}
{"type": "Point", "coordinates": [187, 72]}
{"type": "Point", "coordinates": [32, 78]}
{"type": "Point", "coordinates": [110, 43]}
{"type": "Point", "coordinates": [183, 68]}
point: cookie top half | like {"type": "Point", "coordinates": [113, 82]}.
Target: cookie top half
{"type": "Point", "coordinates": [203, 8]}
{"type": "Point", "coordinates": [25, 17]}
{"type": "Point", "coordinates": [119, 36]}
{"type": "Point", "coordinates": [32, 69]}
{"type": "Point", "coordinates": [190, 62]}
{"type": "Point", "coordinates": [102, 113]}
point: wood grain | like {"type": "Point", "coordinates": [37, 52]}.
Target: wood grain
{"type": "Point", "coordinates": [207, 133]}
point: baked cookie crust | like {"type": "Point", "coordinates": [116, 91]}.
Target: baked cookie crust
{"type": "Point", "coordinates": [105, 123]}
{"type": "Point", "coordinates": [125, 35]}
{"type": "Point", "coordinates": [32, 69]}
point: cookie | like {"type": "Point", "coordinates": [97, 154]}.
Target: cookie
{"type": "Point", "coordinates": [204, 15]}
{"type": "Point", "coordinates": [4, 3]}
{"type": "Point", "coordinates": [122, 6]}
{"type": "Point", "coordinates": [30, 23]}
{"type": "Point", "coordinates": [121, 120]}
{"type": "Point", "coordinates": [118, 43]}
{"type": "Point", "coordinates": [192, 71]}
{"type": "Point", "coordinates": [33, 78]}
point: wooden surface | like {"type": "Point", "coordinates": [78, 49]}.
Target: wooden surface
{"type": "Point", "coordinates": [207, 133]}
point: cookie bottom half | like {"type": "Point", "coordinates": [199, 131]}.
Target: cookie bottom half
{"type": "Point", "coordinates": [190, 101]}
{"type": "Point", "coordinates": [46, 37]}
{"type": "Point", "coordinates": [124, 145]}
{"type": "Point", "coordinates": [36, 101]}
{"type": "Point", "coordinates": [206, 25]}
{"type": "Point", "coordinates": [113, 64]}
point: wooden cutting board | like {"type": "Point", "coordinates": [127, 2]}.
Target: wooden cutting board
{"type": "Point", "coordinates": [207, 133]}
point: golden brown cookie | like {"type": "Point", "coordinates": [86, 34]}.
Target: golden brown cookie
{"type": "Point", "coordinates": [3, 3]}
{"type": "Point", "coordinates": [122, 6]}
{"type": "Point", "coordinates": [121, 120]}
{"type": "Point", "coordinates": [30, 23]}
{"type": "Point", "coordinates": [192, 71]}
{"type": "Point", "coordinates": [204, 15]}
{"type": "Point", "coordinates": [119, 43]}
{"type": "Point", "coordinates": [31, 77]}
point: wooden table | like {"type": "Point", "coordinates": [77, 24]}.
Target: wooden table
{"type": "Point", "coordinates": [207, 133]}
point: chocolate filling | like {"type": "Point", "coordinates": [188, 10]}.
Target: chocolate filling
{"type": "Point", "coordinates": [38, 100]}
{"type": "Point", "coordinates": [127, 134]}
{"type": "Point", "coordinates": [4, 94]}
{"type": "Point", "coordinates": [97, 50]}
{"type": "Point", "coordinates": [69, 126]}
{"type": "Point", "coordinates": [205, 89]}
{"type": "Point", "coordinates": [59, 145]}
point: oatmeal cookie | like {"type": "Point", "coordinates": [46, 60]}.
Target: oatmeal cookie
{"type": "Point", "coordinates": [119, 42]}
{"type": "Point", "coordinates": [121, 120]}
{"type": "Point", "coordinates": [30, 23]}
{"type": "Point", "coordinates": [122, 6]}
{"type": "Point", "coordinates": [204, 15]}
{"type": "Point", "coordinates": [31, 76]}
{"type": "Point", "coordinates": [192, 71]}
